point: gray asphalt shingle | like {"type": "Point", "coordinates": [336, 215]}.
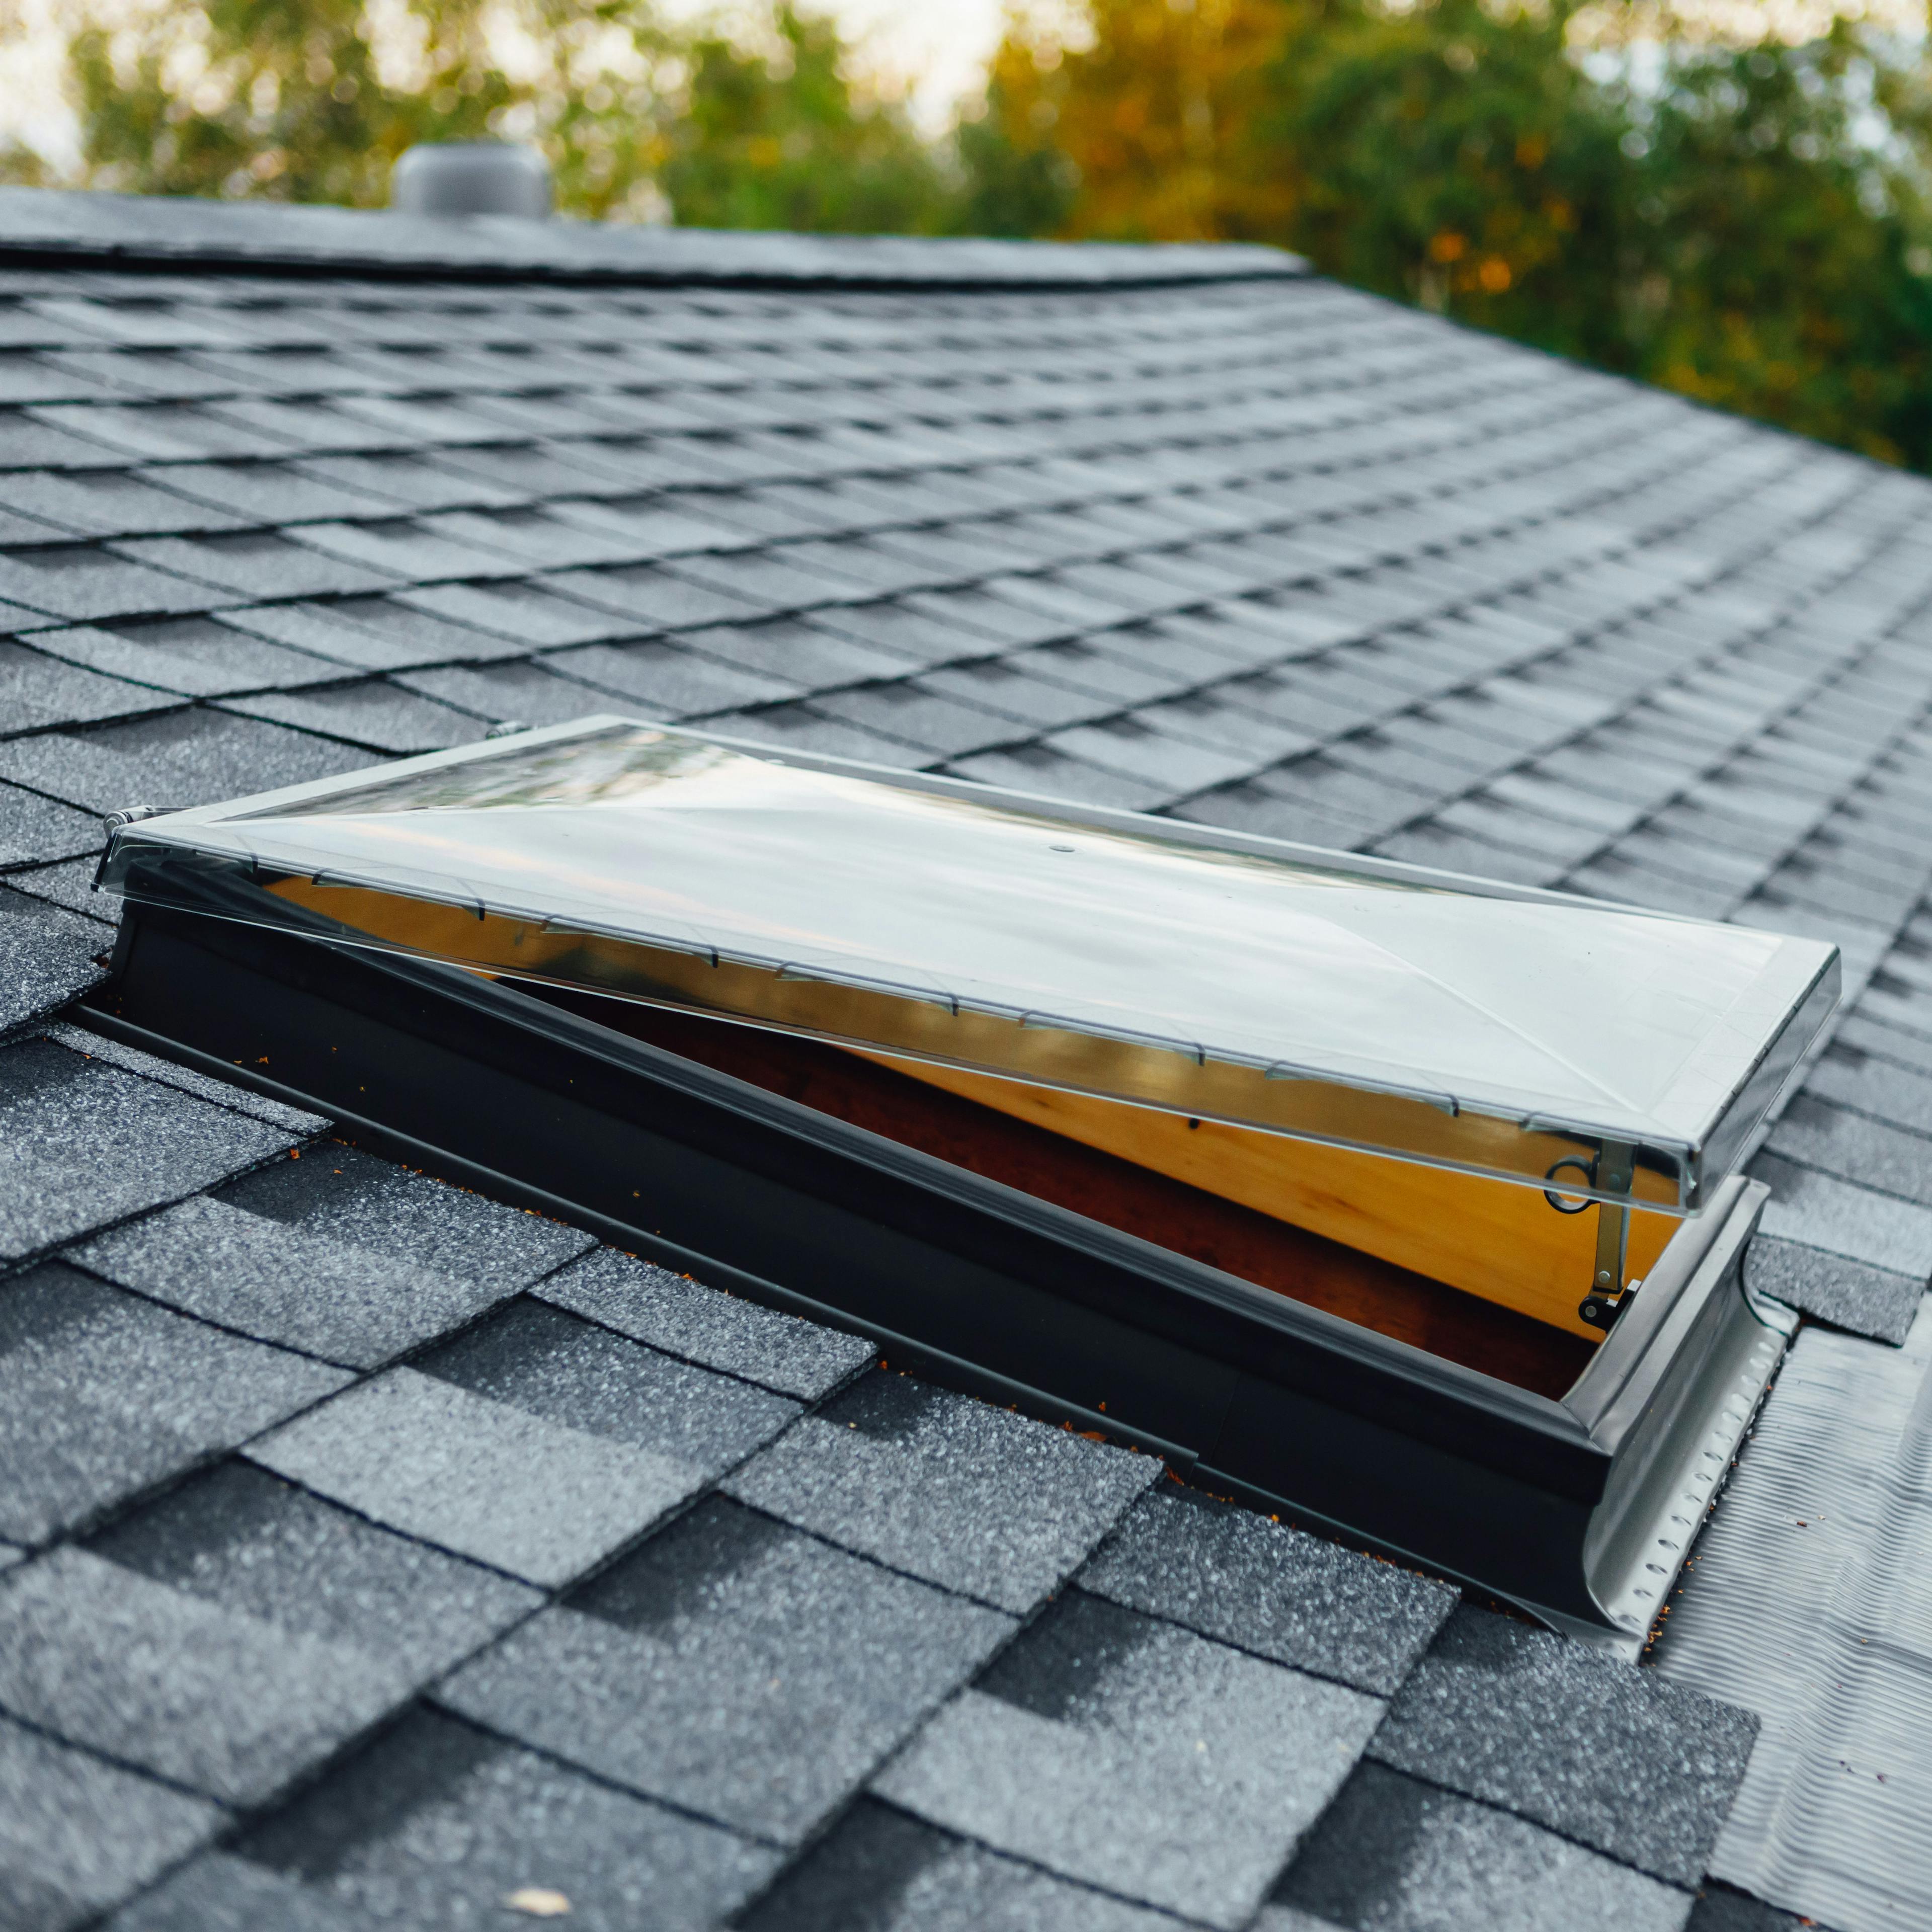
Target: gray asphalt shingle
{"type": "Point", "coordinates": [438, 1826]}
{"type": "Point", "coordinates": [1134, 1756]}
{"type": "Point", "coordinates": [686, 1670]}
{"type": "Point", "coordinates": [140, 1143]}
{"type": "Point", "coordinates": [77, 1835]}
{"type": "Point", "coordinates": [47, 957]}
{"type": "Point", "coordinates": [946, 1488]}
{"type": "Point", "coordinates": [683, 1318]}
{"type": "Point", "coordinates": [1392, 1855]}
{"type": "Point", "coordinates": [1279, 1592]}
{"type": "Point", "coordinates": [483, 1478]}
{"type": "Point", "coordinates": [102, 1395]}
{"type": "Point", "coordinates": [882, 1869]}
{"type": "Point", "coordinates": [1617, 1760]}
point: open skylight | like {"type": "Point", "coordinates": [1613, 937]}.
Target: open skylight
{"type": "Point", "coordinates": [1463, 1120]}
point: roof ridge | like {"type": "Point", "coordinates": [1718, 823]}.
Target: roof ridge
{"type": "Point", "coordinates": [69, 227]}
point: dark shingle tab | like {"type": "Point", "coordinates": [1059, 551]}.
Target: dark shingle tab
{"type": "Point", "coordinates": [1834, 1288]}
{"type": "Point", "coordinates": [102, 1395]}
{"type": "Point", "coordinates": [357, 1305]}
{"type": "Point", "coordinates": [339, 1195]}
{"type": "Point", "coordinates": [185, 758]}
{"type": "Point", "coordinates": [551, 1363]}
{"type": "Point", "coordinates": [138, 1143]}
{"type": "Point", "coordinates": [47, 957]}
{"type": "Point", "coordinates": [1616, 1759]}
{"type": "Point", "coordinates": [1278, 1591]}
{"type": "Point", "coordinates": [1134, 1756]}
{"type": "Point", "coordinates": [77, 1835]}
{"type": "Point", "coordinates": [1392, 1855]}
{"type": "Point", "coordinates": [881, 1870]}
{"type": "Point", "coordinates": [35, 830]}
{"type": "Point", "coordinates": [682, 1318]}
{"type": "Point", "coordinates": [947, 1488]}
{"type": "Point", "coordinates": [227, 1704]}
{"type": "Point", "coordinates": [691, 1670]}
{"type": "Point", "coordinates": [294, 1120]}
{"type": "Point", "coordinates": [436, 1827]}
{"type": "Point", "coordinates": [1818, 1211]}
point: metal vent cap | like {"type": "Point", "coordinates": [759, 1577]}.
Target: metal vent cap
{"type": "Point", "coordinates": [472, 178]}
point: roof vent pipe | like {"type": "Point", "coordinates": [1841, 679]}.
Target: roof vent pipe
{"type": "Point", "coordinates": [471, 177]}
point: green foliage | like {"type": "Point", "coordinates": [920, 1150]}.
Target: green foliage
{"type": "Point", "coordinates": [1454, 157]}
{"type": "Point", "coordinates": [1771, 263]}
{"type": "Point", "coordinates": [778, 140]}
{"type": "Point", "coordinates": [1009, 187]}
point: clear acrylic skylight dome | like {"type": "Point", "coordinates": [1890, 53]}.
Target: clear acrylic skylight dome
{"type": "Point", "coordinates": [1369, 1005]}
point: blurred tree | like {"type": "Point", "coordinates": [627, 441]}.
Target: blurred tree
{"type": "Point", "coordinates": [1454, 156]}
{"type": "Point", "coordinates": [1775, 259]}
{"type": "Point", "coordinates": [304, 101]}
{"type": "Point", "coordinates": [1154, 116]}
{"type": "Point", "coordinates": [1748, 225]}
{"type": "Point", "coordinates": [780, 139]}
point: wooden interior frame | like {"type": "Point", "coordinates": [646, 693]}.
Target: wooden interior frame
{"type": "Point", "coordinates": [1209, 1224]}
{"type": "Point", "coordinates": [1492, 1238]}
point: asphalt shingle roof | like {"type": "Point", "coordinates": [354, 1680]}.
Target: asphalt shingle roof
{"type": "Point", "coordinates": [375, 1554]}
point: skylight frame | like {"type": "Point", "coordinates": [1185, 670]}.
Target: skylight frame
{"type": "Point", "coordinates": [1567, 1506]}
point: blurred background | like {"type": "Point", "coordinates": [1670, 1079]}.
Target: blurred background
{"type": "Point", "coordinates": [1732, 199]}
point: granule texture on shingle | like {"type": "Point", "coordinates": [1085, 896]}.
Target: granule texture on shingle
{"type": "Point", "coordinates": [434, 1825]}
{"type": "Point", "coordinates": [1131, 1754]}
{"type": "Point", "coordinates": [733, 1667]}
{"type": "Point", "coordinates": [483, 1478]}
{"type": "Point", "coordinates": [1855, 1147]}
{"type": "Point", "coordinates": [46, 957]}
{"type": "Point", "coordinates": [225, 1703]}
{"type": "Point", "coordinates": [34, 830]}
{"type": "Point", "coordinates": [218, 1892]}
{"type": "Point", "coordinates": [37, 691]}
{"type": "Point", "coordinates": [239, 1537]}
{"type": "Point", "coordinates": [1833, 1288]}
{"type": "Point", "coordinates": [1398, 1856]}
{"type": "Point", "coordinates": [552, 1364]}
{"type": "Point", "coordinates": [102, 1394]}
{"type": "Point", "coordinates": [77, 1835]}
{"type": "Point", "coordinates": [202, 1086]}
{"type": "Point", "coordinates": [186, 757]}
{"type": "Point", "coordinates": [83, 1144]}
{"type": "Point", "coordinates": [881, 1870]}
{"type": "Point", "coordinates": [362, 1305]}
{"type": "Point", "coordinates": [967, 1496]}
{"type": "Point", "coordinates": [682, 1317]}
{"type": "Point", "coordinates": [340, 1194]}
{"type": "Point", "coordinates": [1819, 1211]}
{"type": "Point", "coordinates": [1231, 1574]}
{"type": "Point", "coordinates": [377, 716]}
{"type": "Point", "coordinates": [1619, 1758]}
